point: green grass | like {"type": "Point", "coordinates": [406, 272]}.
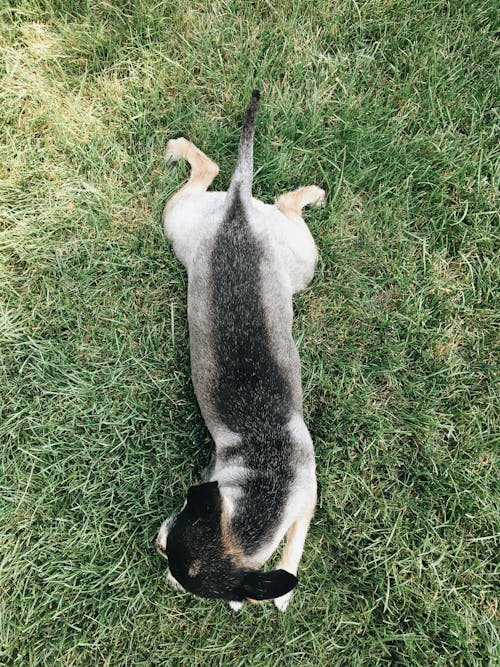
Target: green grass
{"type": "Point", "coordinates": [389, 106]}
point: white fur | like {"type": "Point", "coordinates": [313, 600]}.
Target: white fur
{"type": "Point", "coordinates": [161, 539]}
{"type": "Point", "coordinates": [174, 583]}
{"type": "Point", "coordinates": [283, 602]}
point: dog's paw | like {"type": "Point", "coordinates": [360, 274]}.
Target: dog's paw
{"type": "Point", "coordinates": [174, 583]}
{"type": "Point", "coordinates": [236, 605]}
{"type": "Point", "coordinates": [318, 196]}
{"type": "Point", "coordinates": [282, 602]}
{"type": "Point", "coordinates": [176, 149]}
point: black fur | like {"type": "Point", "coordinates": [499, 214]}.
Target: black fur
{"type": "Point", "coordinates": [251, 395]}
{"type": "Point", "coordinates": [267, 585]}
{"type": "Point", "coordinates": [196, 537]}
{"type": "Point", "coordinates": [242, 178]}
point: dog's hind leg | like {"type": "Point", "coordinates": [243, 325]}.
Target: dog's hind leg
{"type": "Point", "coordinates": [294, 237]}
{"type": "Point", "coordinates": [292, 203]}
{"type": "Point", "coordinates": [203, 169]}
{"type": "Point", "coordinates": [182, 223]}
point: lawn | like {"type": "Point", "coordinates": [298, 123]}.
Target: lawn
{"type": "Point", "coordinates": [389, 106]}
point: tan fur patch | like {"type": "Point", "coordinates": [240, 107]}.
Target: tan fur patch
{"type": "Point", "coordinates": [295, 538]}
{"type": "Point", "coordinates": [203, 169]}
{"type": "Point", "coordinates": [292, 203]}
{"type": "Point", "coordinates": [231, 547]}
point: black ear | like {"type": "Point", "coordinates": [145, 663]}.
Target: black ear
{"type": "Point", "coordinates": [268, 585]}
{"type": "Point", "coordinates": [204, 499]}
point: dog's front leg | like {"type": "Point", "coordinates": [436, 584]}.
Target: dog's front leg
{"type": "Point", "coordinates": [292, 553]}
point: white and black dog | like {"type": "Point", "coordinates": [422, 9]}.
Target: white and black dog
{"type": "Point", "coordinates": [245, 260]}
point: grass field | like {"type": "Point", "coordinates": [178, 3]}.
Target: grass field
{"type": "Point", "coordinates": [389, 106]}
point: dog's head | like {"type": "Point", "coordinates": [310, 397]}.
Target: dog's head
{"type": "Point", "coordinates": [204, 561]}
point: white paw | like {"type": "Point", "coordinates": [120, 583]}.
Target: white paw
{"type": "Point", "coordinates": [174, 583]}
{"type": "Point", "coordinates": [283, 602]}
{"type": "Point", "coordinates": [318, 196]}
{"type": "Point", "coordinates": [175, 149]}
{"type": "Point", "coordinates": [161, 538]}
{"type": "Point", "coordinates": [236, 605]}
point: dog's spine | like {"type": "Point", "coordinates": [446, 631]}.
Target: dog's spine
{"type": "Point", "coordinates": [241, 181]}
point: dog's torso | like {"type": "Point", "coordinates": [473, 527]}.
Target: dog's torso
{"type": "Point", "coordinates": [245, 365]}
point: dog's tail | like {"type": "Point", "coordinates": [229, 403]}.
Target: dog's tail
{"type": "Point", "coordinates": [241, 182]}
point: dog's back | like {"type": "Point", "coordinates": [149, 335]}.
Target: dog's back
{"type": "Point", "coordinates": [246, 369]}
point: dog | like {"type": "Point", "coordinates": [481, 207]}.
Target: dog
{"type": "Point", "coordinates": [244, 259]}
